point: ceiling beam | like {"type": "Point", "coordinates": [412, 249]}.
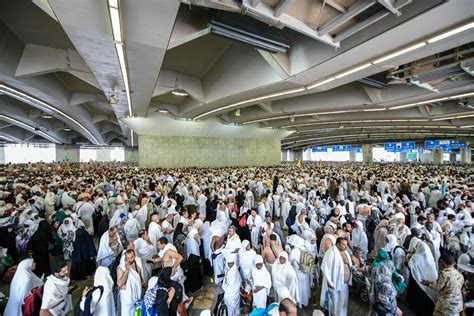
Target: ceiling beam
{"type": "Point", "coordinates": [390, 6]}
{"type": "Point", "coordinates": [282, 6]}
{"type": "Point", "coordinates": [355, 9]}
{"type": "Point", "coordinates": [335, 5]}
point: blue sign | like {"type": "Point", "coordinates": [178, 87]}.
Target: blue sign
{"type": "Point", "coordinates": [357, 150]}
{"type": "Point", "coordinates": [431, 144]}
{"type": "Point", "coordinates": [320, 149]}
{"type": "Point", "coordinates": [420, 150]}
{"type": "Point", "coordinates": [399, 147]}
{"type": "Point", "coordinates": [456, 144]}
{"type": "Point", "coordinates": [341, 148]}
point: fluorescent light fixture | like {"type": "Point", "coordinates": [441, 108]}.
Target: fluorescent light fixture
{"type": "Point", "coordinates": [444, 118]}
{"type": "Point", "coordinates": [348, 72]}
{"type": "Point", "coordinates": [468, 126]}
{"type": "Point", "coordinates": [403, 106]}
{"type": "Point", "coordinates": [46, 116]}
{"type": "Point", "coordinates": [317, 84]}
{"type": "Point", "coordinates": [451, 33]}
{"type": "Point", "coordinates": [268, 96]}
{"type": "Point", "coordinates": [7, 138]}
{"type": "Point", "coordinates": [34, 130]}
{"type": "Point", "coordinates": [131, 136]}
{"type": "Point", "coordinates": [67, 129]}
{"type": "Point", "coordinates": [163, 110]}
{"type": "Point", "coordinates": [400, 52]}
{"type": "Point", "coordinates": [459, 96]}
{"type": "Point", "coordinates": [180, 93]}
{"type": "Point", "coordinates": [434, 100]}
{"type": "Point", "coordinates": [373, 110]}
{"type": "Point", "coordinates": [116, 23]}
{"type": "Point", "coordinates": [265, 119]}
{"type": "Point", "coordinates": [43, 105]}
{"type": "Point", "coordinates": [115, 19]}
{"type": "Point", "coordinates": [464, 116]}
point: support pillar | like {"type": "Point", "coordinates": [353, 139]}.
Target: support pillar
{"type": "Point", "coordinates": [291, 155]}
{"type": "Point", "coordinates": [2, 155]}
{"type": "Point", "coordinates": [438, 156]}
{"type": "Point", "coordinates": [466, 155]}
{"type": "Point", "coordinates": [131, 154]}
{"type": "Point", "coordinates": [67, 153]}
{"type": "Point", "coordinates": [352, 156]}
{"type": "Point", "coordinates": [307, 154]}
{"type": "Point", "coordinates": [452, 157]}
{"type": "Point", "coordinates": [403, 157]}
{"type": "Point", "coordinates": [367, 156]}
{"type": "Point", "coordinates": [298, 155]}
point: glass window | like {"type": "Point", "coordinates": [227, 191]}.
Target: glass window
{"type": "Point", "coordinates": [24, 153]}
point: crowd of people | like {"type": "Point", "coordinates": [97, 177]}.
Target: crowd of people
{"type": "Point", "coordinates": [269, 239]}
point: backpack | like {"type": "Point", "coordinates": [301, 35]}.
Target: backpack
{"type": "Point", "coordinates": [243, 221]}
{"type": "Point", "coordinates": [113, 268]}
{"type": "Point", "coordinates": [87, 304]}
{"type": "Point", "coordinates": [306, 262]}
{"type": "Point", "coordinates": [32, 303]}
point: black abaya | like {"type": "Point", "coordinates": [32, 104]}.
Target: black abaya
{"type": "Point", "coordinates": [8, 241]}
{"type": "Point", "coordinates": [82, 257]}
{"type": "Point", "coordinates": [418, 300]}
{"type": "Point", "coordinates": [38, 244]}
{"type": "Point", "coordinates": [193, 274]}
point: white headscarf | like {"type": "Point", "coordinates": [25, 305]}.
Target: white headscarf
{"type": "Point", "coordinates": [261, 277]}
{"type": "Point", "coordinates": [22, 283]}
{"type": "Point", "coordinates": [392, 243]}
{"type": "Point", "coordinates": [192, 245]}
{"type": "Point", "coordinates": [106, 305]}
{"type": "Point", "coordinates": [246, 258]}
{"type": "Point", "coordinates": [284, 275]}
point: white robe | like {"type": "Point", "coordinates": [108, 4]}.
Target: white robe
{"type": "Point", "coordinates": [423, 267]}
{"type": "Point", "coordinates": [132, 291]}
{"type": "Point", "coordinates": [22, 283]}
{"type": "Point", "coordinates": [55, 297]}
{"type": "Point", "coordinates": [144, 251]}
{"type": "Point", "coordinates": [231, 287]}
{"type": "Point", "coordinates": [106, 305]}
{"type": "Point", "coordinates": [155, 233]}
{"type": "Point", "coordinates": [246, 258]}
{"type": "Point", "coordinates": [261, 278]}
{"type": "Point", "coordinates": [304, 279]}
{"type": "Point", "coordinates": [105, 251]}
{"type": "Point", "coordinates": [284, 278]}
{"type": "Point", "coordinates": [257, 221]}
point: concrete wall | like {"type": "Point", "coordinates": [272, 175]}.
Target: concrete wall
{"type": "Point", "coordinates": [184, 151]}
{"type": "Point", "coordinates": [131, 155]}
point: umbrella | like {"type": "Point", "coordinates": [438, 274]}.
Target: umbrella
{"type": "Point", "coordinates": [168, 179]}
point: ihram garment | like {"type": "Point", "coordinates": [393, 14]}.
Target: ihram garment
{"type": "Point", "coordinates": [231, 286]}
{"type": "Point", "coordinates": [260, 277]}
{"type": "Point", "coordinates": [284, 277]}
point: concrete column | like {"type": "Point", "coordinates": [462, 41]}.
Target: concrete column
{"type": "Point", "coordinates": [452, 157]}
{"type": "Point", "coordinates": [291, 155]}
{"type": "Point", "coordinates": [352, 156]}
{"type": "Point", "coordinates": [103, 154]}
{"type": "Point", "coordinates": [437, 156]}
{"type": "Point", "coordinates": [403, 157]}
{"type": "Point", "coordinates": [307, 154]}
{"type": "Point", "coordinates": [466, 155]}
{"type": "Point", "coordinates": [131, 154]}
{"type": "Point", "coordinates": [2, 155]}
{"type": "Point", "coordinates": [367, 153]}
{"type": "Point", "coordinates": [68, 153]}
{"type": "Point", "coordinates": [298, 155]}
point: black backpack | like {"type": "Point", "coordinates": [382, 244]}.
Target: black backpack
{"type": "Point", "coordinates": [113, 268]}
{"type": "Point", "coordinates": [87, 304]}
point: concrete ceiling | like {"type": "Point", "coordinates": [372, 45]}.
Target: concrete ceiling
{"type": "Point", "coordinates": [59, 59]}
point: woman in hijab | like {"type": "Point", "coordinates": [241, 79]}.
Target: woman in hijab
{"type": "Point", "coordinates": [106, 305]}
{"type": "Point", "coordinates": [379, 235]}
{"type": "Point", "coordinates": [83, 255]}
{"type": "Point", "coordinates": [231, 285]}
{"type": "Point", "coordinates": [179, 238]}
{"type": "Point", "coordinates": [284, 276]}
{"type": "Point", "coordinates": [246, 258]}
{"type": "Point", "coordinates": [163, 298]}
{"type": "Point", "coordinates": [193, 280]}
{"type": "Point", "coordinates": [8, 241]}
{"type": "Point", "coordinates": [39, 246]}
{"type": "Point", "coordinates": [422, 267]}
{"type": "Point", "coordinates": [22, 283]}
{"type": "Point", "coordinates": [206, 248]}
{"type": "Point", "coordinates": [67, 233]}
{"type": "Point", "coordinates": [261, 283]}
{"type": "Point", "coordinates": [382, 295]}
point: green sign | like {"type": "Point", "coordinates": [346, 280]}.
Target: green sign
{"type": "Point", "coordinates": [411, 156]}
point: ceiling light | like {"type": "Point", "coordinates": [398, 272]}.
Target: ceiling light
{"type": "Point", "coordinates": [115, 20]}
{"type": "Point", "coordinates": [464, 116]}
{"type": "Point", "coordinates": [468, 126]}
{"type": "Point", "coordinates": [46, 116]}
{"type": "Point", "coordinates": [67, 129]}
{"type": "Point", "coordinates": [432, 101]}
{"type": "Point", "coordinates": [163, 110]}
{"type": "Point", "coordinates": [180, 93]}
{"type": "Point", "coordinates": [7, 138]}
{"type": "Point", "coordinates": [237, 112]}
{"type": "Point", "coordinates": [373, 110]}
{"type": "Point", "coordinates": [348, 72]}
{"type": "Point", "coordinates": [33, 129]}
{"type": "Point", "coordinates": [451, 33]}
{"type": "Point", "coordinates": [459, 96]}
{"type": "Point", "coordinates": [444, 118]}
{"type": "Point", "coordinates": [265, 119]}
{"type": "Point", "coordinates": [43, 105]}
{"type": "Point", "coordinates": [314, 85]}
{"type": "Point", "coordinates": [131, 136]}
{"type": "Point", "coordinates": [400, 52]}
{"type": "Point", "coordinates": [268, 96]}
{"type": "Point", "coordinates": [403, 106]}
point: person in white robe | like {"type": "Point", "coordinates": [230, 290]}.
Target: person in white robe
{"type": "Point", "coordinates": [85, 210]}
{"type": "Point", "coordinates": [216, 256]}
{"type": "Point", "coordinates": [233, 243]}
{"type": "Point", "coordinates": [253, 222]}
{"type": "Point", "coordinates": [102, 305]}
{"type": "Point", "coordinates": [335, 279]}
{"type": "Point", "coordinates": [154, 230]}
{"type": "Point", "coordinates": [359, 238]}
{"type": "Point", "coordinates": [56, 298]}
{"type": "Point", "coordinates": [246, 258]}
{"type": "Point", "coordinates": [261, 283]}
{"type": "Point", "coordinates": [142, 213]}
{"type": "Point", "coordinates": [304, 279]}
{"type": "Point", "coordinates": [285, 210]}
{"type": "Point", "coordinates": [423, 266]}
{"type": "Point", "coordinates": [284, 276]}
{"type": "Point", "coordinates": [300, 224]}
{"type": "Point", "coordinates": [67, 233]}
{"type": "Point", "coordinates": [145, 251]}
{"type": "Point", "coordinates": [22, 283]}
{"type": "Point", "coordinates": [231, 285]}
{"type": "Point", "coordinates": [110, 246]}
{"type": "Point", "coordinates": [167, 227]}
{"type": "Point", "coordinates": [129, 281]}
{"type": "Point", "coordinates": [131, 228]}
